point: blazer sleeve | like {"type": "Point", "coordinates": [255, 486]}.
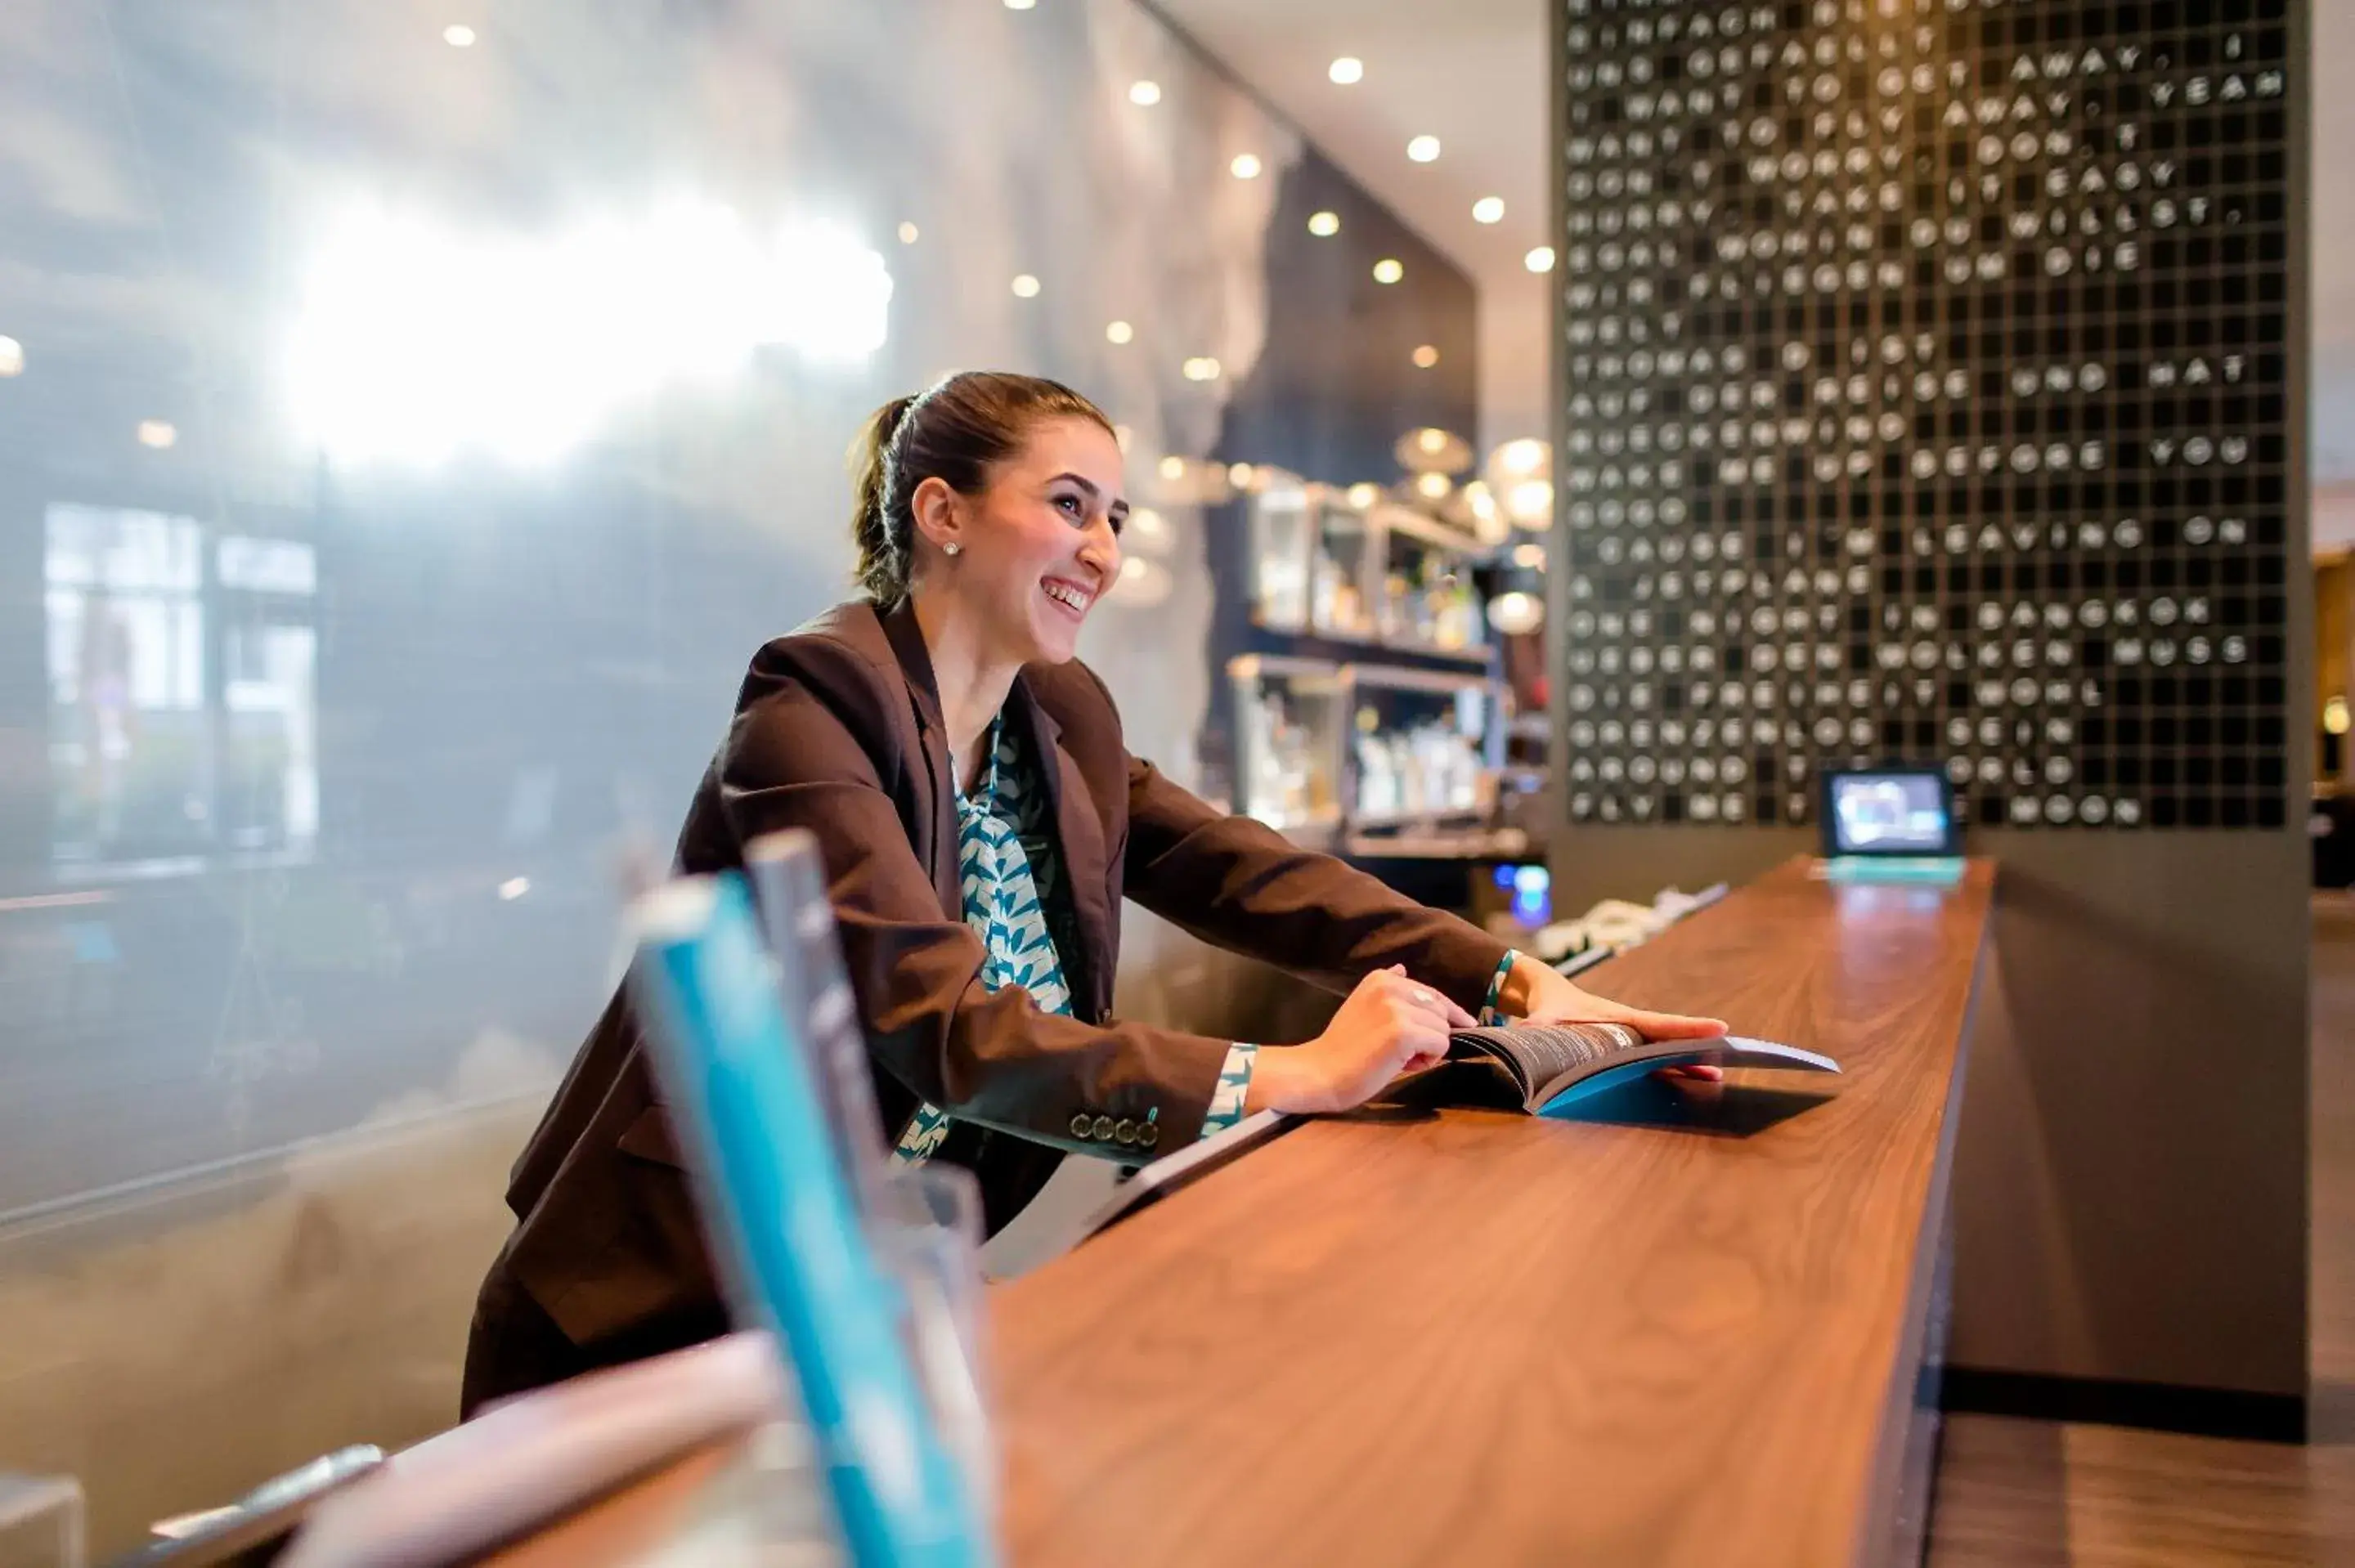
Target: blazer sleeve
{"type": "Point", "coordinates": [792, 760]}
{"type": "Point", "coordinates": [1238, 884]}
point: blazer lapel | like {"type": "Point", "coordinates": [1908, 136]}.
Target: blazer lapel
{"type": "Point", "coordinates": [930, 756]}
{"type": "Point", "coordinates": [1080, 837]}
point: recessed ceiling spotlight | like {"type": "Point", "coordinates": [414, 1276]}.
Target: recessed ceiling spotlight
{"type": "Point", "coordinates": [1363, 495]}
{"type": "Point", "coordinates": [1245, 167]}
{"type": "Point", "coordinates": [1433, 486]}
{"type": "Point", "coordinates": [1020, 5]}
{"type": "Point", "coordinates": [1387, 270]}
{"type": "Point", "coordinates": [1119, 332]}
{"type": "Point", "coordinates": [12, 358]}
{"type": "Point", "coordinates": [1202, 369]}
{"type": "Point", "coordinates": [1425, 356]}
{"type": "Point", "coordinates": [1423, 149]}
{"type": "Point", "coordinates": [1324, 225]}
{"type": "Point", "coordinates": [1540, 259]}
{"type": "Point", "coordinates": [1488, 209]}
{"type": "Point", "coordinates": [157, 433]}
{"type": "Point", "coordinates": [1145, 95]}
{"type": "Point", "coordinates": [1025, 287]}
{"type": "Point", "coordinates": [458, 36]}
{"type": "Point", "coordinates": [907, 234]}
{"type": "Point", "coordinates": [1347, 70]}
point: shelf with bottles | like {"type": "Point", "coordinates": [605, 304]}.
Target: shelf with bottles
{"type": "Point", "coordinates": [1424, 755]}
{"type": "Point", "coordinates": [1288, 761]}
{"type": "Point", "coordinates": [1363, 570]}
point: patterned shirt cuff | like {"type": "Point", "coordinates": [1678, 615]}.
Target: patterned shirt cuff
{"type": "Point", "coordinates": [1491, 1012]}
{"type": "Point", "coordinates": [1234, 1084]}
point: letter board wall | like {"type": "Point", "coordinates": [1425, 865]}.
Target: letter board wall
{"type": "Point", "coordinates": [1925, 390]}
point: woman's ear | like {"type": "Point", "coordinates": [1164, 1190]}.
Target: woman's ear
{"type": "Point", "coordinates": [938, 512]}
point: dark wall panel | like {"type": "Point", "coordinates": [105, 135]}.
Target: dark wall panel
{"type": "Point", "coordinates": [1930, 388]}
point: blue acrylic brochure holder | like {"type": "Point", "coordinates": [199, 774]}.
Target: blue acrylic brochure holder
{"type": "Point", "coordinates": [784, 1227]}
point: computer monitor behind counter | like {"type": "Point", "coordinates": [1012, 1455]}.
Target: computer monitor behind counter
{"type": "Point", "coordinates": [1890, 823]}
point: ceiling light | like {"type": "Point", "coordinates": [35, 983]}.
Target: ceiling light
{"type": "Point", "coordinates": [1387, 270]}
{"type": "Point", "coordinates": [907, 234]}
{"type": "Point", "coordinates": [1488, 209]}
{"type": "Point", "coordinates": [12, 358]}
{"type": "Point", "coordinates": [1540, 259]}
{"type": "Point", "coordinates": [1148, 534]}
{"type": "Point", "coordinates": [1423, 149]}
{"type": "Point", "coordinates": [1118, 332]}
{"type": "Point", "coordinates": [1425, 356]}
{"type": "Point", "coordinates": [1363, 495]}
{"type": "Point", "coordinates": [157, 433]}
{"type": "Point", "coordinates": [1025, 287]}
{"type": "Point", "coordinates": [1529, 558]}
{"type": "Point", "coordinates": [458, 36]}
{"type": "Point", "coordinates": [1145, 95]}
{"type": "Point", "coordinates": [1020, 5]}
{"type": "Point", "coordinates": [1530, 503]}
{"type": "Point", "coordinates": [514, 887]}
{"type": "Point", "coordinates": [1245, 167]}
{"type": "Point", "coordinates": [1240, 476]}
{"type": "Point", "coordinates": [1202, 369]}
{"type": "Point", "coordinates": [2334, 716]}
{"type": "Point", "coordinates": [1173, 467]}
{"type": "Point", "coordinates": [1431, 440]}
{"type": "Point", "coordinates": [1522, 456]}
{"type": "Point", "coordinates": [1141, 584]}
{"type": "Point", "coordinates": [1324, 225]}
{"type": "Point", "coordinates": [1433, 486]}
{"type": "Point", "coordinates": [1347, 70]}
{"type": "Point", "coordinates": [1477, 496]}
{"type": "Point", "coordinates": [1516, 614]}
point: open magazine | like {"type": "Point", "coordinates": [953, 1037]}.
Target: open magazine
{"type": "Point", "coordinates": [1551, 1064]}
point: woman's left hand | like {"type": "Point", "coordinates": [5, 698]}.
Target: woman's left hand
{"type": "Point", "coordinates": [1538, 993]}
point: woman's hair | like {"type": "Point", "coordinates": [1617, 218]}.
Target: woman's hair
{"type": "Point", "coordinates": [954, 431]}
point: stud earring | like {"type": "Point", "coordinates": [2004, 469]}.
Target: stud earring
{"type": "Point", "coordinates": [951, 548]}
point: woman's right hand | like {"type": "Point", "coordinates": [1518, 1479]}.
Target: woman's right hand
{"type": "Point", "coordinates": [1389, 1025]}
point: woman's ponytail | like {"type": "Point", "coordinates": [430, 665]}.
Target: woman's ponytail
{"type": "Point", "coordinates": [954, 431]}
{"type": "Point", "coordinates": [883, 568]}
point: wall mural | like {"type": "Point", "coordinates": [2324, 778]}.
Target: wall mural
{"type": "Point", "coordinates": [1926, 384]}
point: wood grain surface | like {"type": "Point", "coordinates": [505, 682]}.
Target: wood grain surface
{"type": "Point", "coordinates": [1665, 1332]}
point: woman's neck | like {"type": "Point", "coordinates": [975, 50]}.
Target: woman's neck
{"type": "Point", "coordinates": [972, 684]}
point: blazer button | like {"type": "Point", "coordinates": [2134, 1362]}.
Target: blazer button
{"type": "Point", "coordinates": [1082, 1124]}
{"type": "Point", "coordinates": [1102, 1127]}
{"type": "Point", "coordinates": [1125, 1130]}
{"type": "Point", "coordinates": [1147, 1136]}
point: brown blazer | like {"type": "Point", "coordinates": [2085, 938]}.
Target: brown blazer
{"type": "Point", "coordinates": [839, 729]}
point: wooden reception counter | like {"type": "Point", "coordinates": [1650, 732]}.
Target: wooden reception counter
{"type": "Point", "coordinates": [1690, 1326]}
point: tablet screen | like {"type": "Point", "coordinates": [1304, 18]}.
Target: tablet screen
{"type": "Point", "coordinates": [1896, 811]}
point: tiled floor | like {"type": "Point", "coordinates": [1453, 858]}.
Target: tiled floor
{"type": "Point", "coordinates": [2023, 1494]}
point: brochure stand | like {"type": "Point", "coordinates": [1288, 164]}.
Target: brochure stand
{"type": "Point", "coordinates": [861, 1296]}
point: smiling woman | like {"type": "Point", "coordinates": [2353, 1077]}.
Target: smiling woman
{"type": "Point", "coordinates": [981, 819]}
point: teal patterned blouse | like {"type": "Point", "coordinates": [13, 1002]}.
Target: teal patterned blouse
{"type": "Point", "coordinates": [1012, 880]}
